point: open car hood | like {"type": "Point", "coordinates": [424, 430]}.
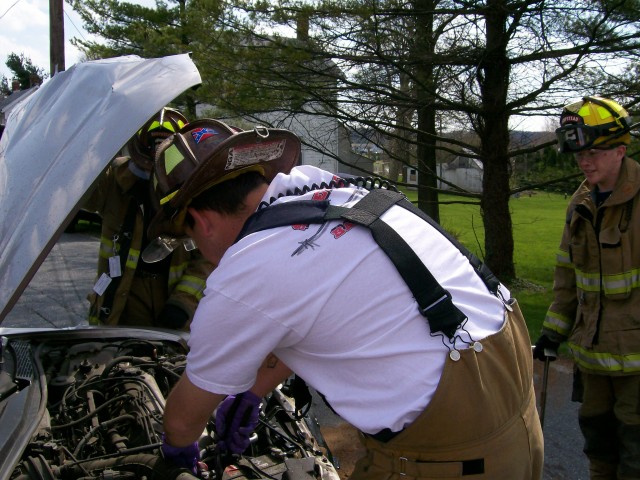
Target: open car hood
{"type": "Point", "coordinates": [57, 142]}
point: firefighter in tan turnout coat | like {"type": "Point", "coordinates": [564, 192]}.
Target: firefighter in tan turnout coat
{"type": "Point", "coordinates": [129, 291]}
{"type": "Point", "coordinates": [596, 306]}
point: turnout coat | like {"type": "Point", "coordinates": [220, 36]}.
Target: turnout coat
{"type": "Point", "coordinates": [596, 305]}
{"type": "Point", "coordinates": [187, 271]}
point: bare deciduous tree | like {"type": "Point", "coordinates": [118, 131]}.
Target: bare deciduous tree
{"type": "Point", "coordinates": [418, 74]}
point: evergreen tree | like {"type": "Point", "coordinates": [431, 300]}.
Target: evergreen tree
{"type": "Point", "coordinates": [25, 71]}
{"type": "Point", "coordinates": [5, 89]}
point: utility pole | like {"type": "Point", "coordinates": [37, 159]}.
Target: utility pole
{"type": "Point", "coordinates": [56, 36]}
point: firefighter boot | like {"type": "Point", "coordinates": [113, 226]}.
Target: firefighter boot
{"type": "Point", "coordinates": [601, 445]}
{"type": "Point", "coordinates": [629, 467]}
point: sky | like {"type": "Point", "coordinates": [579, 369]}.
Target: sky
{"type": "Point", "coordinates": [24, 29]}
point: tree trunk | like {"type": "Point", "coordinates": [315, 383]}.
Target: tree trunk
{"type": "Point", "coordinates": [426, 143]}
{"type": "Point", "coordinates": [426, 152]}
{"type": "Point", "coordinates": [494, 136]}
{"type": "Point", "coordinates": [498, 227]}
{"type": "Point", "coordinates": [402, 143]}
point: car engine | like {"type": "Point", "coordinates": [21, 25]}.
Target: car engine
{"type": "Point", "coordinates": [104, 402]}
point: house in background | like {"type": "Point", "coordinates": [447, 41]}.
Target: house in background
{"type": "Point", "coordinates": [463, 171]}
{"type": "Point", "coordinates": [326, 143]}
{"type": "Point", "coordinates": [10, 101]}
{"type": "Point", "coordinates": [466, 172]}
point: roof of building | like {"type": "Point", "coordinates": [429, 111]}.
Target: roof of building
{"type": "Point", "coordinates": [8, 102]}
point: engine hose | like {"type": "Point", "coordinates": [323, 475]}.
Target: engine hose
{"type": "Point", "coordinates": [102, 425]}
{"type": "Point", "coordinates": [35, 468]}
{"type": "Point", "coordinates": [90, 414]}
{"type": "Point", "coordinates": [139, 465]}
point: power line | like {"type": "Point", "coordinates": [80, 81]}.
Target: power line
{"type": "Point", "coordinates": [74, 25]}
{"type": "Point", "coordinates": [14, 4]}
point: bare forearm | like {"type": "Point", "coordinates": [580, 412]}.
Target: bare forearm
{"type": "Point", "coordinates": [187, 411]}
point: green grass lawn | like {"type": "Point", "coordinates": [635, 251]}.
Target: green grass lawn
{"type": "Point", "coordinates": [538, 220]}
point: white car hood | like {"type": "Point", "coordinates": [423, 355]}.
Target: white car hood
{"type": "Point", "coordinates": [57, 142]}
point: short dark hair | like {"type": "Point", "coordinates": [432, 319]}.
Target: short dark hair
{"type": "Point", "coordinates": [227, 197]}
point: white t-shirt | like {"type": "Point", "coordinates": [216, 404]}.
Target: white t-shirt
{"type": "Point", "coordinates": [332, 306]}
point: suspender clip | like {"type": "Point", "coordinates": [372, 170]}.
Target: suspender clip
{"type": "Point", "coordinates": [403, 466]}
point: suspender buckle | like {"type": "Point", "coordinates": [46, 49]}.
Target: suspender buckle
{"type": "Point", "coordinates": [443, 316]}
{"type": "Point", "coordinates": [402, 467]}
{"type": "Point", "coordinates": [425, 311]}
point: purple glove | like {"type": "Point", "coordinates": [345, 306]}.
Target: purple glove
{"type": "Point", "coordinates": [236, 418]}
{"type": "Point", "coordinates": [183, 457]}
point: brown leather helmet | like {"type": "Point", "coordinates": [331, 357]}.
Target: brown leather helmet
{"type": "Point", "coordinates": [207, 152]}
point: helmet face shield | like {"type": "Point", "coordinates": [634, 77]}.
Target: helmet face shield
{"type": "Point", "coordinates": [574, 138]}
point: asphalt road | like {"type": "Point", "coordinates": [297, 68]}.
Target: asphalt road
{"type": "Point", "coordinates": [56, 296]}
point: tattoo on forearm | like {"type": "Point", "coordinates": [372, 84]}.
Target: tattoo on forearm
{"type": "Point", "coordinates": [271, 361]}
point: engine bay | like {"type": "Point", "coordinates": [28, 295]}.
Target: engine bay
{"type": "Point", "coordinates": [100, 416]}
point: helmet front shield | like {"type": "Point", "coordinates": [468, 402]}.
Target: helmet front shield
{"type": "Point", "coordinates": [574, 138]}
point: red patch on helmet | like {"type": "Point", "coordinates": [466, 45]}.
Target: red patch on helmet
{"type": "Point", "coordinates": [200, 134]}
{"type": "Point", "coordinates": [571, 118]}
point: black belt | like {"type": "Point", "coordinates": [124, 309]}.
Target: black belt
{"type": "Point", "coordinates": [384, 435]}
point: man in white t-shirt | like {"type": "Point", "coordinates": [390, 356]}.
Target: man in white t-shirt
{"type": "Point", "coordinates": [324, 300]}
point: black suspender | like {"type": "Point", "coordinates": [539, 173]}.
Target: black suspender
{"type": "Point", "coordinates": [434, 302]}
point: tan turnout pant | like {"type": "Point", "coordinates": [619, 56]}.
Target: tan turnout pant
{"type": "Point", "coordinates": [482, 422]}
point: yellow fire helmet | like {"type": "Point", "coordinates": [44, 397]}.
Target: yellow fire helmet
{"type": "Point", "coordinates": [142, 146]}
{"type": "Point", "coordinates": [591, 123]}
{"type": "Point", "coordinates": [207, 152]}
